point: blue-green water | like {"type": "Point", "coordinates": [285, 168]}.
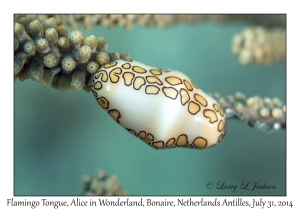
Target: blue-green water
{"type": "Point", "coordinates": [60, 137]}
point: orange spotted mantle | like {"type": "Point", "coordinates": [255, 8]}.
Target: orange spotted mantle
{"type": "Point", "coordinates": [163, 108]}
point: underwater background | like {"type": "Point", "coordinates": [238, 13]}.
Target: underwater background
{"type": "Point", "coordinates": [60, 137]}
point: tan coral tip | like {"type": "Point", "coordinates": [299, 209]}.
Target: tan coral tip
{"type": "Point", "coordinates": [277, 113]}
{"type": "Point", "coordinates": [267, 102]}
{"type": "Point", "coordinates": [91, 42]}
{"type": "Point", "coordinates": [284, 108]}
{"type": "Point", "coordinates": [124, 55]}
{"type": "Point", "coordinates": [76, 37]}
{"type": "Point", "coordinates": [83, 54]}
{"type": "Point", "coordinates": [102, 58]}
{"type": "Point", "coordinates": [114, 56]}
{"type": "Point", "coordinates": [47, 78]}
{"type": "Point", "coordinates": [18, 30]}
{"type": "Point", "coordinates": [51, 35]}
{"type": "Point", "coordinates": [36, 28]}
{"type": "Point", "coordinates": [24, 21]}
{"type": "Point", "coordinates": [92, 67]}
{"type": "Point", "coordinates": [101, 175]}
{"type": "Point", "coordinates": [25, 73]}
{"type": "Point", "coordinates": [51, 60]}
{"type": "Point", "coordinates": [19, 61]}
{"type": "Point", "coordinates": [36, 70]}
{"type": "Point", "coordinates": [276, 102]}
{"type": "Point", "coordinates": [68, 63]}
{"type": "Point", "coordinates": [42, 45]}
{"type": "Point", "coordinates": [86, 179]}
{"type": "Point", "coordinates": [62, 31]}
{"type": "Point", "coordinates": [101, 44]}
{"type": "Point", "coordinates": [88, 22]}
{"type": "Point", "coordinates": [29, 47]}
{"type": "Point", "coordinates": [245, 57]}
{"type": "Point", "coordinates": [264, 112]}
{"type": "Point", "coordinates": [50, 23]}
{"type": "Point", "coordinates": [239, 96]}
{"type": "Point", "coordinates": [63, 42]}
{"type": "Point", "coordinates": [64, 83]}
{"type": "Point", "coordinates": [78, 79]}
{"type": "Point", "coordinates": [112, 184]}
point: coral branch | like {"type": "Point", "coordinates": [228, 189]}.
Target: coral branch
{"type": "Point", "coordinates": [265, 114]}
{"type": "Point", "coordinates": [260, 45]}
{"type": "Point", "coordinates": [102, 184]}
{"type": "Point", "coordinates": [43, 52]}
{"type": "Point", "coordinates": [129, 20]}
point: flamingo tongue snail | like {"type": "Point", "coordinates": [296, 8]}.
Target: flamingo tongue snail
{"type": "Point", "coordinates": [163, 108]}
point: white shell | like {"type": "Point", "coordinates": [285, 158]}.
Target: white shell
{"type": "Point", "coordinates": [161, 107]}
